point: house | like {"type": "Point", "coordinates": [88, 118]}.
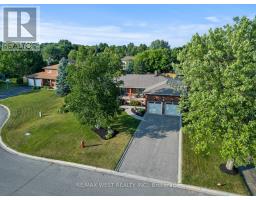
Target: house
{"type": "Point", "coordinates": [45, 78]}
{"type": "Point", "coordinates": [155, 92]}
{"type": "Point", "coordinates": [126, 62]}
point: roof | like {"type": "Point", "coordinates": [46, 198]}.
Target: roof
{"type": "Point", "coordinates": [164, 89]}
{"type": "Point", "coordinates": [53, 67]}
{"type": "Point", "coordinates": [127, 58]}
{"type": "Point", "coordinates": [42, 75]}
{"type": "Point", "coordinates": [141, 80]}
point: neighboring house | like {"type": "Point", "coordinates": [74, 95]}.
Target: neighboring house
{"type": "Point", "coordinates": [153, 91]}
{"type": "Point", "coordinates": [127, 61]}
{"type": "Point", "coordinates": [45, 78]}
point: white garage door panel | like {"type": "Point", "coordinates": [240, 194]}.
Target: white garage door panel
{"type": "Point", "coordinates": [31, 82]}
{"type": "Point", "coordinates": [38, 82]}
{"type": "Point", "coordinates": [171, 109]}
{"type": "Point", "coordinates": [154, 108]}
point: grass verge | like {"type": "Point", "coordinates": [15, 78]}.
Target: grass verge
{"type": "Point", "coordinates": [204, 171]}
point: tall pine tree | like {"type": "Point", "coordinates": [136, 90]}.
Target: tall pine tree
{"type": "Point", "coordinates": [61, 83]}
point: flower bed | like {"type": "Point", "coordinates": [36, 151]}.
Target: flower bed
{"type": "Point", "coordinates": [104, 133]}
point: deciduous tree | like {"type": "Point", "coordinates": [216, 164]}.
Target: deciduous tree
{"type": "Point", "coordinates": [219, 70]}
{"type": "Point", "coordinates": [94, 89]}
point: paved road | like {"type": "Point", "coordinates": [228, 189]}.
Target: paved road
{"type": "Point", "coordinates": [23, 176]}
{"type": "Point", "coordinates": [14, 91]}
{"type": "Point", "coordinates": [154, 150]}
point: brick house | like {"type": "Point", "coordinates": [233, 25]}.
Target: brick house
{"type": "Point", "coordinates": [153, 91]}
{"type": "Point", "coordinates": [45, 78]}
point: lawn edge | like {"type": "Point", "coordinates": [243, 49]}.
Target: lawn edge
{"type": "Point", "coordinates": [180, 153]}
{"type": "Point", "coordinates": [107, 171]}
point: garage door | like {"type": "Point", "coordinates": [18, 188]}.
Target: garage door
{"type": "Point", "coordinates": [171, 109]}
{"type": "Point", "coordinates": [154, 107]}
{"type": "Point", "coordinates": [31, 82]}
{"type": "Point", "coordinates": [38, 82]}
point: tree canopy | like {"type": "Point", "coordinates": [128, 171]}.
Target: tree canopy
{"type": "Point", "coordinates": [159, 44]}
{"type": "Point", "coordinates": [153, 60]}
{"type": "Point", "coordinates": [53, 52]}
{"type": "Point", "coordinates": [94, 89]}
{"type": "Point", "coordinates": [20, 63]}
{"type": "Point", "coordinates": [219, 71]}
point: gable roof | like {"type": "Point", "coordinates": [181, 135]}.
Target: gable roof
{"type": "Point", "coordinates": [42, 75]}
{"type": "Point", "coordinates": [127, 58]}
{"type": "Point", "coordinates": [166, 88]}
{"type": "Point", "coordinates": [141, 80]}
{"type": "Point", "coordinates": [52, 67]}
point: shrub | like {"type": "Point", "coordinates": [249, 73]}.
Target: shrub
{"type": "Point", "coordinates": [36, 88]}
{"type": "Point", "coordinates": [109, 136]}
{"type": "Point", "coordinates": [19, 81]}
{"type": "Point", "coordinates": [135, 103]}
{"type": "Point", "coordinates": [63, 109]}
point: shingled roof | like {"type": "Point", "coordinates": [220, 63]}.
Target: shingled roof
{"type": "Point", "coordinates": [141, 80]}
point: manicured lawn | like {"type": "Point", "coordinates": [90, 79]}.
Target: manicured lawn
{"type": "Point", "coordinates": [57, 135]}
{"type": "Point", "coordinates": [204, 171]}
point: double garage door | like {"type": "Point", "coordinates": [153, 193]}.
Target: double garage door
{"type": "Point", "coordinates": [162, 108]}
{"type": "Point", "coordinates": [35, 82]}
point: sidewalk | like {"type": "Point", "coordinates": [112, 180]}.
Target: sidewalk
{"type": "Point", "coordinates": [250, 179]}
{"type": "Point", "coordinates": [129, 112]}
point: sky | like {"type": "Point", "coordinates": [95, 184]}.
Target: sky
{"type": "Point", "coordinates": [122, 24]}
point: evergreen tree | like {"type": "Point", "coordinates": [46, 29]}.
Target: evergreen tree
{"type": "Point", "coordinates": [61, 83]}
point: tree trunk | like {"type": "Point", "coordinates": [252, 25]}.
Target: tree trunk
{"type": "Point", "coordinates": [230, 164]}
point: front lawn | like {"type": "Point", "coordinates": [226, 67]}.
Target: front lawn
{"type": "Point", "coordinates": [204, 171]}
{"type": "Point", "coordinates": [58, 135]}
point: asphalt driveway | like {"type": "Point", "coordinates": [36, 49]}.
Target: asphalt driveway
{"type": "Point", "coordinates": [154, 150]}
{"type": "Point", "coordinates": [14, 91]}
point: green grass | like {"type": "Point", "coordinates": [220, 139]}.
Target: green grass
{"type": "Point", "coordinates": [58, 135]}
{"type": "Point", "coordinates": [204, 171]}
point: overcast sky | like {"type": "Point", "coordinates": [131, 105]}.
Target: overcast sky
{"type": "Point", "coordinates": [121, 24]}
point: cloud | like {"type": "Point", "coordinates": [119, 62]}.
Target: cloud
{"type": "Point", "coordinates": [135, 24]}
{"type": "Point", "coordinates": [212, 19]}
{"type": "Point", "coordinates": [89, 34]}
{"type": "Point", "coordinates": [177, 34]}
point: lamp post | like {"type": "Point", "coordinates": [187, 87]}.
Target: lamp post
{"type": "Point", "coordinates": [7, 81]}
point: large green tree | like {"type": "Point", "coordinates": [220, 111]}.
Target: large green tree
{"type": "Point", "coordinates": [94, 89]}
{"type": "Point", "coordinates": [20, 63]}
{"type": "Point", "coordinates": [153, 60]}
{"type": "Point", "coordinates": [53, 52]}
{"type": "Point", "coordinates": [219, 69]}
{"type": "Point", "coordinates": [159, 44]}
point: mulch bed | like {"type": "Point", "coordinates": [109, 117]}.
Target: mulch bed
{"type": "Point", "coordinates": [225, 170]}
{"type": "Point", "coordinates": [102, 132]}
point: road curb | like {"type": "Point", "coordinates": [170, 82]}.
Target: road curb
{"type": "Point", "coordinates": [107, 171]}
